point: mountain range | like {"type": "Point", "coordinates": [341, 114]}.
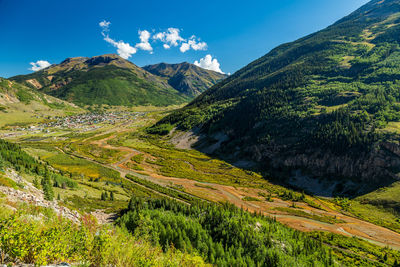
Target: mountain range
{"type": "Point", "coordinates": [112, 80]}
{"type": "Point", "coordinates": [325, 106]}
{"type": "Point", "coordinates": [187, 78]}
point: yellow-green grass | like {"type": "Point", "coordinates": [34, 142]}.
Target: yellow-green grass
{"type": "Point", "coordinates": [92, 190]}
{"type": "Point", "coordinates": [74, 165]}
{"type": "Point", "coordinates": [393, 127]}
{"type": "Point", "coordinates": [328, 109]}
{"type": "Point", "coordinates": [380, 207]}
{"type": "Point", "coordinates": [389, 194]}
{"type": "Point", "coordinates": [300, 213]}
{"type": "Point", "coordinates": [345, 63]}
{"type": "Point", "coordinates": [98, 153]}
{"type": "Point", "coordinates": [376, 215]}
{"type": "Point", "coordinates": [4, 181]}
{"type": "Point", "coordinates": [192, 164]}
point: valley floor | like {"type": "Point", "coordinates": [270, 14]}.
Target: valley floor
{"type": "Point", "coordinates": [302, 217]}
{"type": "Point", "coordinates": [120, 157]}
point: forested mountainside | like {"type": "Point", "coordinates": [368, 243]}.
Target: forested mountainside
{"type": "Point", "coordinates": [187, 78]}
{"type": "Point", "coordinates": [106, 79]}
{"type": "Point", "coordinates": [327, 104]}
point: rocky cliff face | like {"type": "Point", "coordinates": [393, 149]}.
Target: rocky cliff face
{"type": "Point", "coordinates": [370, 170]}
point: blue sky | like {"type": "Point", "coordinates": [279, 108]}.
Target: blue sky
{"type": "Point", "coordinates": [233, 32]}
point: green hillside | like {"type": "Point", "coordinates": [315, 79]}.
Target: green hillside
{"type": "Point", "coordinates": [327, 104]}
{"type": "Point", "coordinates": [186, 78]}
{"type": "Point", "coordinates": [106, 79]}
{"type": "Point", "coordinates": [20, 104]}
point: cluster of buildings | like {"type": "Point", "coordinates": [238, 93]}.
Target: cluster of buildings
{"type": "Point", "coordinates": [82, 122]}
{"type": "Point", "coordinates": [89, 119]}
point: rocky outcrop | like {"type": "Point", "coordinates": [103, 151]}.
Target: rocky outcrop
{"type": "Point", "coordinates": [34, 196]}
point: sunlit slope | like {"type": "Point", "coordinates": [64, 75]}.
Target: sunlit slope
{"type": "Point", "coordinates": [187, 78]}
{"type": "Point", "coordinates": [20, 104]}
{"type": "Point", "coordinates": [106, 79]}
{"type": "Point", "coordinates": [322, 104]}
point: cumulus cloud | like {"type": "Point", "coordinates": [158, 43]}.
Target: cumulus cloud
{"type": "Point", "coordinates": [104, 24]}
{"type": "Point", "coordinates": [171, 37]}
{"type": "Point", "coordinates": [193, 44]}
{"type": "Point", "coordinates": [209, 63]}
{"type": "Point", "coordinates": [144, 44]}
{"type": "Point", "coordinates": [39, 65]}
{"type": "Point", "coordinates": [124, 50]}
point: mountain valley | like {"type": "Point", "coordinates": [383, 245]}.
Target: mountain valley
{"type": "Point", "coordinates": [293, 160]}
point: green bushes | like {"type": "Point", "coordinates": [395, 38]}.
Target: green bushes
{"type": "Point", "coordinates": [247, 198]}
{"type": "Point", "coordinates": [56, 240]}
{"type": "Point", "coordinates": [63, 182]}
{"type": "Point", "coordinates": [167, 191]}
{"type": "Point", "coordinates": [24, 96]}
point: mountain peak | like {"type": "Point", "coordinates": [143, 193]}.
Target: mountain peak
{"type": "Point", "coordinates": [186, 77]}
{"type": "Point", "coordinates": [74, 59]}
{"type": "Point", "coordinates": [108, 59]}
{"type": "Point", "coordinates": [105, 79]}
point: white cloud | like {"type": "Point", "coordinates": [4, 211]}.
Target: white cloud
{"type": "Point", "coordinates": [209, 63]}
{"type": "Point", "coordinates": [39, 65]}
{"type": "Point", "coordinates": [192, 43]}
{"type": "Point", "coordinates": [104, 24]}
{"type": "Point", "coordinates": [184, 47]}
{"type": "Point", "coordinates": [144, 44]}
{"type": "Point", "coordinates": [124, 50]}
{"type": "Point", "coordinates": [159, 36]}
{"type": "Point", "coordinates": [171, 37]}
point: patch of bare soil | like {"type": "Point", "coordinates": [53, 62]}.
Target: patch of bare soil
{"type": "Point", "coordinates": [35, 83]}
{"type": "Point", "coordinates": [184, 140]}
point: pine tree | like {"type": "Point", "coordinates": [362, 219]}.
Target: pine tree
{"type": "Point", "coordinates": [47, 186]}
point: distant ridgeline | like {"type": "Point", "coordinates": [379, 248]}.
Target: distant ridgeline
{"type": "Point", "coordinates": [112, 80]}
{"type": "Point", "coordinates": [328, 104]}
